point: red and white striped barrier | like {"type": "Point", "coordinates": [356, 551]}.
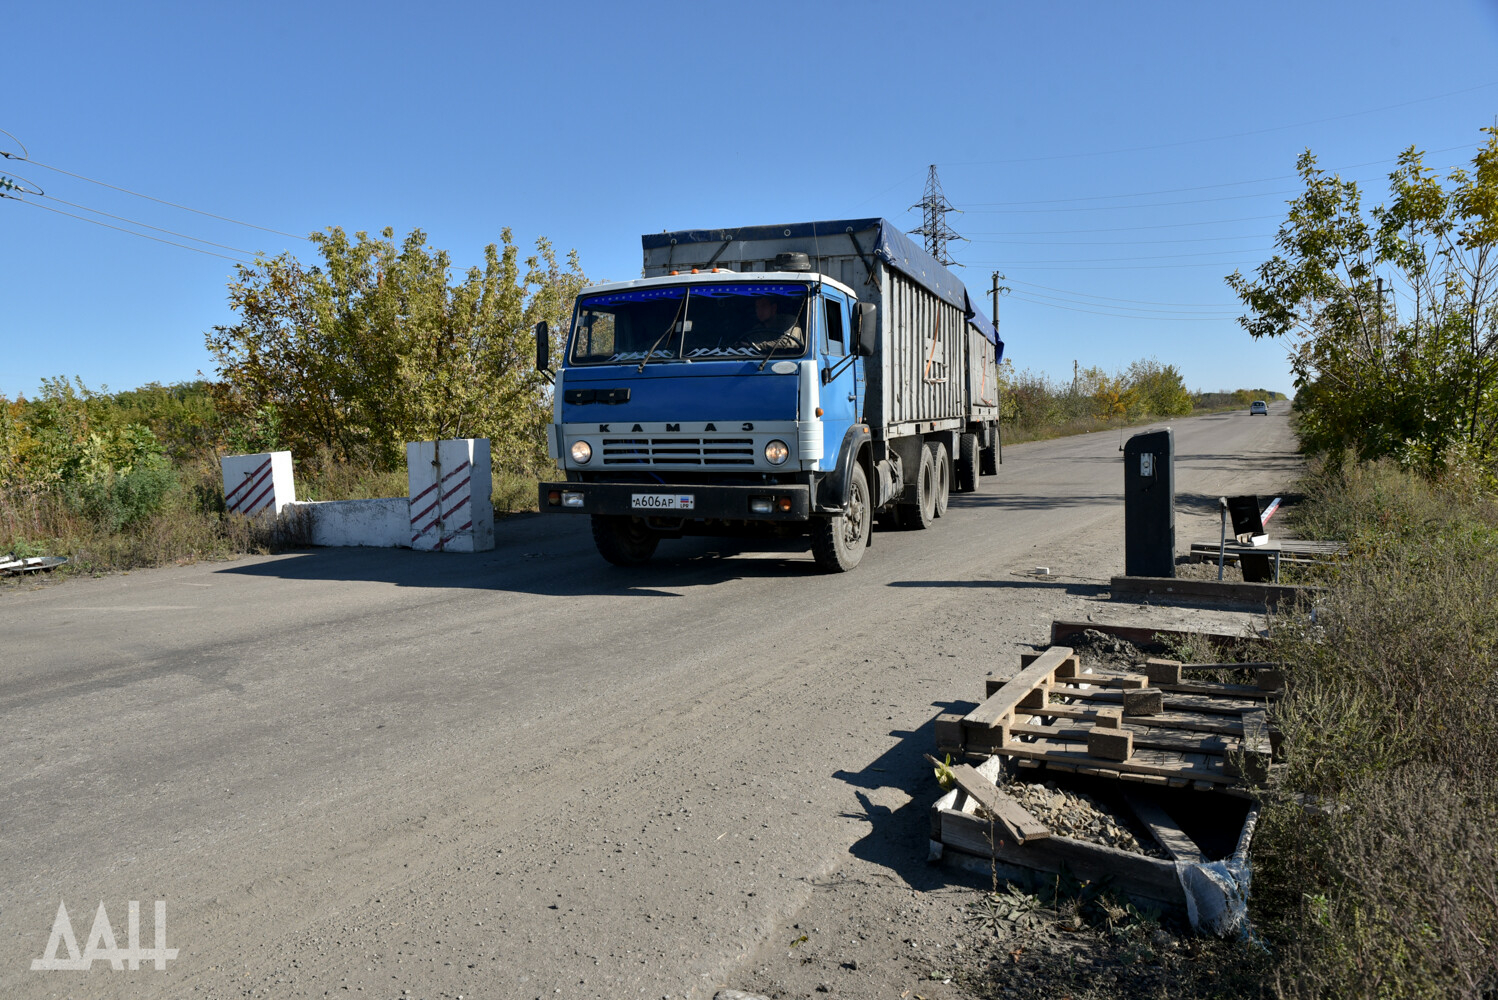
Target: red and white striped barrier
{"type": "Point", "coordinates": [450, 507]}
{"type": "Point", "coordinates": [255, 483]}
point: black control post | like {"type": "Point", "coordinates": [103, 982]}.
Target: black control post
{"type": "Point", "coordinates": [1150, 504]}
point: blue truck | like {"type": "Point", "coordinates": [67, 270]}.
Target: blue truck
{"type": "Point", "coordinates": [791, 380]}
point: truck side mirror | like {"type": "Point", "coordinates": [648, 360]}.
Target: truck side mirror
{"type": "Point", "coordinates": [543, 347]}
{"type": "Point", "coordinates": [867, 329]}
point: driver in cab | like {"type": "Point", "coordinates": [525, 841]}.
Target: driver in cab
{"type": "Point", "coordinates": [772, 330]}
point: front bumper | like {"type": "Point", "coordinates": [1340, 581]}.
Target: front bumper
{"type": "Point", "coordinates": [787, 502]}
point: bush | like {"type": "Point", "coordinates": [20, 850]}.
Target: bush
{"type": "Point", "coordinates": [1375, 871]}
{"type": "Point", "coordinates": [115, 502]}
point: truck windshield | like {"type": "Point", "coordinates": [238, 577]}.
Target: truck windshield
{"type": "Point", "coordinates": [691, 322]}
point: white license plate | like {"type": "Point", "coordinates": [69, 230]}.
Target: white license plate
{"type": "Point", "coordinates": [663, 501]}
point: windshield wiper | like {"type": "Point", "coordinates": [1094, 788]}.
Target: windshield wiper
{"type": "Point", "coordinates": [680, 310]}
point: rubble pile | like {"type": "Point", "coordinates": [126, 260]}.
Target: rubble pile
{"type": "Point", "coordinates": [1079, 816]}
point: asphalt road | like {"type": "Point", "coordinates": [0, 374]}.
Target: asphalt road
{"type": "Point", "coordinates": [524, 772]}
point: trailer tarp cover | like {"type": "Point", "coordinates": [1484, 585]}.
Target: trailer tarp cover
{"type": "Point", "coordinates": [879, 237]}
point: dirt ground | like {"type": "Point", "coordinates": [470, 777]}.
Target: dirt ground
{"type": "Point", "coordinates": [954, 928]}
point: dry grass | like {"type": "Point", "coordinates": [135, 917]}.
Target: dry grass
{"type": "Point", "coordinates": [188, 523]}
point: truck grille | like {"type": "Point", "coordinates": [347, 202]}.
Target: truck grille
{"type": "Point", "coordinates": [647, 452]}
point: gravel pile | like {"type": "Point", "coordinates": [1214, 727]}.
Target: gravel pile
{"type": "Point", "coordinates": [1080, 816]}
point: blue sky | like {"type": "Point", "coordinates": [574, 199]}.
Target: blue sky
{"type": "Point", "coordinates": [1115, 161]}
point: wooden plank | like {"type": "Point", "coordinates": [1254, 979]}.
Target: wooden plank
{"type": "Point", "coordinates": [1177, 843]}
{"type": "Point", "coordinates": [1000, 706]}
{"type": "Point", "coordinates": [1110, 678]}
{"type": "Point", "coordinates": [1227, 725]}
{"type": "Point", "coordinates": [1147, 879]}
{"type": "Point", "coordinates": [1110, 744]}
{"type": "Point", "coordinates": [1014, 819]}
{"type": "Point", "coordinates": [1187, 702]}
{"type": "Point", "coordinates": [1142, 762]}
{"type": "Point", "coordinates": [1145, 737]}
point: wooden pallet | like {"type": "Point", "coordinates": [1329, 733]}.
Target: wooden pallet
{"type": "Point", "coordinates": [1153, 725]}
{"type": "Point", "coordinates": [977, 818]}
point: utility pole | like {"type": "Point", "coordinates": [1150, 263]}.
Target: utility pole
{"type": "Point", "coordinates": [934, 208]}
{"type": "Point", "coordinates": [998, 389]}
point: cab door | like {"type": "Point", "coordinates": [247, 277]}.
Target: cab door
{"type": "Point", "coordinates": [842, 371]}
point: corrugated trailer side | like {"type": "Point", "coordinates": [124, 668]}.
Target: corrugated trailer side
{"type": "Point", "coordinates": [921, 374]}
{"type": "Point", "coordinates": [922, 361]}
{"type": "Point", "coordinates": [982, 376]}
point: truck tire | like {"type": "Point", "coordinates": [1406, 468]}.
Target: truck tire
{"type": "Point", "coordinates": [968, 474]}
{"type": "Point", "coordinates": [988, 461]}
{"type": "Point", "coordinates": [623, 541]}
{"type": "Point", "coordinates": [838, 543]}
{"type": "Point", "coordinates": [943, 468]}
{"type": "Point", "coordinates": [918, 514]}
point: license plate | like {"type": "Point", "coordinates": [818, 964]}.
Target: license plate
{"type": "Point", "coordinates": [663, 501]}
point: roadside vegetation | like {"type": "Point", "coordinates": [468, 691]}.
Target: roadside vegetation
{"type": "Point", "coordinates": [341, 363]}
{"type": "Point", "coordinates": [1376, 855]}
{"type": "Point", "coordinates": [1376, 874]}
{"type": "Point", "coordinates": [1034, 406]}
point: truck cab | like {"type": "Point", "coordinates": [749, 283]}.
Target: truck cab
{"type": "Point", "coordinates": [707, 402]}
{"type": "Point", "coordinates": [783, 380]}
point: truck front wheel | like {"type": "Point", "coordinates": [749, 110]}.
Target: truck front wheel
{"type": "Point", "coordinates": [838, 543]}
{"type": "Point", "coordinates": [623, 541]}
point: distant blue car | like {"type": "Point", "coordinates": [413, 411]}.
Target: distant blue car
{"type": "Point", "coordinates": [1258, 406]}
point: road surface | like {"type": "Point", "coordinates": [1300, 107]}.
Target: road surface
{"type": "Point", "coordinates": [527, 773]}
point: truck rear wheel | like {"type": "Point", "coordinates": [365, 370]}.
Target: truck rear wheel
{"type": "Point", "coordinates": [921, 510]}
{"type": "Point", "coordinates": [968, 474]}
{"type": "Point", "coordinates": [838, 543]}
{"type": "Point", "coordinates": [990, 455]}
{"type": "Point", "coordinates": [943, 468]}
{"type": "Point", "coordinates": [623, 541]}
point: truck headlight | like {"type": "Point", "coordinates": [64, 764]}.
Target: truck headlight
{"type": "Point", "coordinates": [582, 451]}
{"type": "Point", "coordinates": [776, 452]}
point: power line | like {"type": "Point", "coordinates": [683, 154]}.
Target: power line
{"type": "Point", "coordinates": [1234, 135]}
{"type": "Point", "coordinates": [1118, 267]}
{"type": "Point", "coordinates": [1106, 260]}
{"type": "Point", "coordinates": [1106, 298]}
{"type": "Point", "coordinates": [135, 222]}
{"type": "Point", "coordinates": [1208, 187]}
{"type": "Point", "coordinates": [81, 218]}
{"type": "Point", "coordinates": [1221, 313]}
{"type": "Point", "coordinates": [159, 201]}
{"type": "Point", "coordinates": [1113, 243]}
{"type": "Point", "coordinates": [1114, 315]}
{"type": "Point", "coordinates": [1133, 229]}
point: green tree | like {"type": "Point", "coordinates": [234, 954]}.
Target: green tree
{"type": "Point", "coordinates": [376, 346]}
{"type": "Point", "coordinates": [1112, 396]}
{"type": "Point", "coordinates": [1161, 391]}
{"type": "Point", "coordinates": [1423, 385]}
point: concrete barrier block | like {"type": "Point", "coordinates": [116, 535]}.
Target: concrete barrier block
{"type": "Point", "coordinates": [450, 486]}
{"type": "Point", "coordinates": [255, 483]}
{"type": "Point", "coordinates": [380, 523]}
